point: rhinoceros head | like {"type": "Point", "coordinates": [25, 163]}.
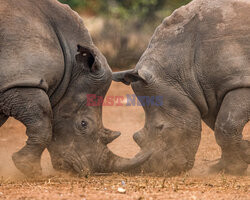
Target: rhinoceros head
{"type": "Point", "coordinates": [167, 133]}
{"type": "Point", "coordinates": [80, 140]}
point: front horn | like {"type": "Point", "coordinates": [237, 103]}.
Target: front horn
{"type": "Point", "coordinates": [119, 164]}
{"type": "Point", "coordinates": [107, 136]}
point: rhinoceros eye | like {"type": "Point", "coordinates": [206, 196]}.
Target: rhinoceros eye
{"type": "Point", "coordinates": [84, 124]}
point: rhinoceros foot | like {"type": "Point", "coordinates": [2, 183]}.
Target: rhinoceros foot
{"type": "Point", "coordinates": [229, 167]}
{"type": "Point", "coordinates": [27, 163]}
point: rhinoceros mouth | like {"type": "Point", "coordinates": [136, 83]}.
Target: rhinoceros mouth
{"type": "Point", "coordinates": [105, 161]}
{"type": "Point", "coordinates": [167, 162]}
{"type": "Point", "coordinates": [69, 161]}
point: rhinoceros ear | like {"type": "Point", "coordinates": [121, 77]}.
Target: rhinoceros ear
{"type": "Point", "coordinates": [129, 76]}
{"type": "Point", "coordinates": [87, 58]}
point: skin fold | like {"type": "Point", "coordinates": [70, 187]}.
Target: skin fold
{"type": "Point", "coordinates": [49, 65]}
{"type": "Point", "coordinates": [198, 61]}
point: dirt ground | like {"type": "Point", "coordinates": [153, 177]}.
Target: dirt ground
{"type": "Point", "coordinates": [194, 185]}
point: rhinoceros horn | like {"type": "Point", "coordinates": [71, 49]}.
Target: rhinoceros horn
{"type": "Point", "coordinates": [120, 164]}
{"type": "Point", "coordinates": [108, 136]}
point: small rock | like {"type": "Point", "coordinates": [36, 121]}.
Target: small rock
{"type": "Point", "coordinates": [123, 182]}
{"type": "Point", "coordinates": [121, 190]}
{"type": "Point", "coordinates": [193, 197]}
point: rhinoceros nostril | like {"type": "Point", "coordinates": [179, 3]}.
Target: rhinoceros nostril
{"type": "Point", "coordinates": [59, 163]}
{"type": "Point", "coordinates": [137, 137]}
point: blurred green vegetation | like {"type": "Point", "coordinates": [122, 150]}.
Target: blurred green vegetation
{"type": "Point", "coordinates": [121, 29]}
{"type": "Point", "coordinates": [125, 9]}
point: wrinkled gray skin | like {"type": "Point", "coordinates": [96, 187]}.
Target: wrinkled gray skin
{"type": "Point", "coordinates": [199, 61]}
{"type": "Point", "coordinates": [48, 65]}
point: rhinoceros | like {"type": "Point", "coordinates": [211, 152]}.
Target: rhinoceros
{"type": "Point", "coordinates": [48, 66]}
{"type": "Point", "coordinates": [198, 61]}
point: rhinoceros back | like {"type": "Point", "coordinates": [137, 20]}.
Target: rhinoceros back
{"type": "Point", "coordinates": [30, 53]}
{"type": "Point", "coordinates": [208, 41]}
{"type": "Point", "coordinates": [223, 46]}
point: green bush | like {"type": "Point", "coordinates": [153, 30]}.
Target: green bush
{"type": "Point", "coordinates": [127, 25]}
{"type": "Point", "coordinates": [125, 9]}
{"type": "Point", "coordinates": [75, 3]}
{"type": "Point", "coordinates": [141, 9]}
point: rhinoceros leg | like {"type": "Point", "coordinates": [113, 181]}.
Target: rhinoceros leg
{"type": "Point", "coordinates": [32, 107]}
{"type": "Point", "coordinates": [232, 117]}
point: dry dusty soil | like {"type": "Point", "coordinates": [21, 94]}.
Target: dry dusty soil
{"type": "Point", "coordinates": [197, 184]}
